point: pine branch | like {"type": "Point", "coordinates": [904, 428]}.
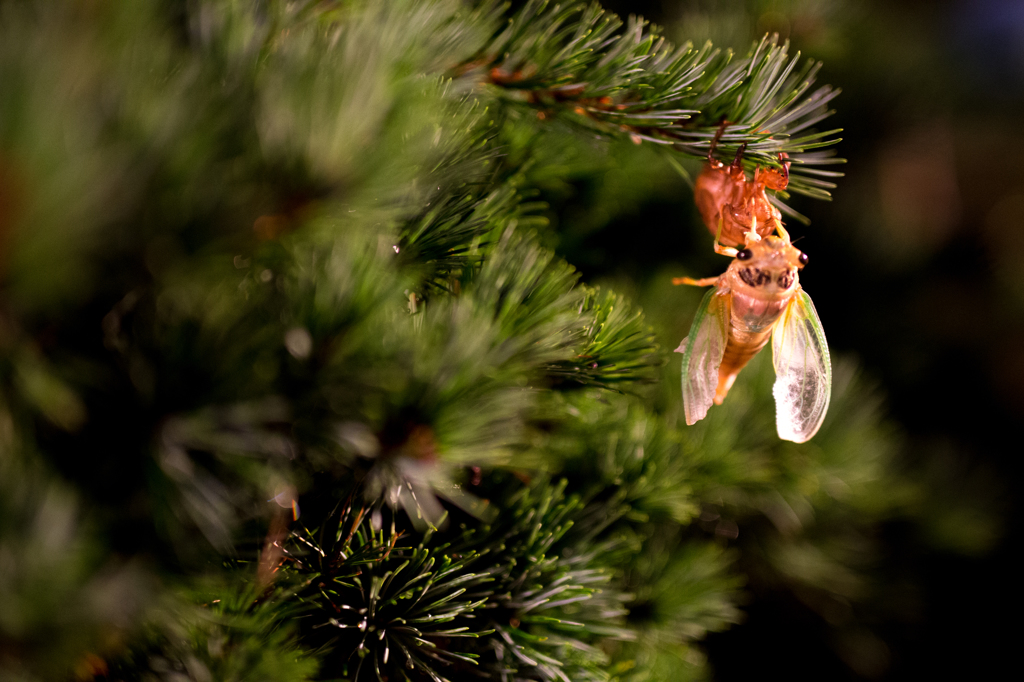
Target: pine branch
{"type": "Point", "coordinates": [622, 459]}
{"type": "Point", "coordinates": [618, 348]}
{"type": "Point", "coordinates": [451, 238]}
{"type": "Point", "coordinates": [578, 63]}
{"type": "Point", "coordinates": [679, 594]}
{"type": "Point", "coordinates": [380, 603]}
{"type": "Point", "coordinates": [684, 592]}
{"type": "Point", "coordinates": [515, 596]}
{"type": "Point", "coordinates": [552, 599]}
{"type": "Point", "coordinates": [226, 627]}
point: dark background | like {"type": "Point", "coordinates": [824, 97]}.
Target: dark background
{"type": "Point", "coordinates": [915, 268]}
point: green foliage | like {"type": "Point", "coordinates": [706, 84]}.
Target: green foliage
{"type": "Point", "coordinates": [623, 455]}
{"type": "Point", "coordinates": [552, 601]}
{"type": "Point", "coordinates": [679, 595]}
{"type": "Point", "coordinates": [388, 606]}
{"type": "Point", "coordinates": [229, 629]}
{"type": "Point", "coordinates": [517, 596]}
{"type": "Point", "coordinates": [62, 603]}
{"type": "Point", "coordinates": [254, 254]}
{"type": "Point", "coordinates": [577, 61]}
{"type": "Point", "coordinates": [618, 347]}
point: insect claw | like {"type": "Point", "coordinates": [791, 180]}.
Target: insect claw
{"type": "Point", "coordinates": [739, 155]}
{"type": "Point", "coordinates": [726, 250]}
{"type": "Point", "coordinates": [714, 142]}
{"type": "Point", "coordinates": [785, 168]}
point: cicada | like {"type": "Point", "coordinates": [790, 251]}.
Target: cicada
{"type": "Point", "coordinates": [759, 298]}
{"type": "Point", "coordinates": [730, 204]}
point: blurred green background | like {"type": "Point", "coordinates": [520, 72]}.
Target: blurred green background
{"type": "Point", "coordinates": [915, 268]}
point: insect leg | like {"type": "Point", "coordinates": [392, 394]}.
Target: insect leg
{"type": "Point", "coordinates": [719, 249]}
{"type": "Point", "coordinates": [739, 157]}
{"type": "Point", "coordinates": [781, 230]}
{"type": "Point", "coordinates": [703, 282]}
{"type": "Point", "coordinates": [714, 142]}
{"type": "Point", "coordinates": [725, 250]}
{"type": "Point", "coordinates": [785, 169]}
{"type": "Point", "coordinates": [751, 236]}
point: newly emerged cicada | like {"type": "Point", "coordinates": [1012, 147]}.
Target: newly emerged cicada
{"type": "Point", "coordinates": [730, 204]}
{"type": "Point", "coordinates": [759, 298]}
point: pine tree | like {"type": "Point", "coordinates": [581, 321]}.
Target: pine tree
{"type": "Point", "coordinates": [295, 385]}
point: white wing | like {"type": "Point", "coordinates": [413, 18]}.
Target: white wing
{"type": "Point", "coordinates": [803, 370]}
{"type": "Point", "coordinates": [702, 355]}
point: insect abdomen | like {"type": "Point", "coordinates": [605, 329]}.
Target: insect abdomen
{"type": "Point", "coordinates": [739, 350]}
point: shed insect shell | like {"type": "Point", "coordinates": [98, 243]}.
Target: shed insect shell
{"type": "Point", "coordinates": [730, 204]}
{"type": "Point", "coordinates": [758, 299]}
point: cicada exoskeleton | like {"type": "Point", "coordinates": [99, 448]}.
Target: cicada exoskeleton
{"type": "Point", "coordinates": [733, 206]}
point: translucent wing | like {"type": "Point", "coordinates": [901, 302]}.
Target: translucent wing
{"type": "Point", "coordinates": [803, 370]}
{"type": "Point", "coordinates": [702, 355]}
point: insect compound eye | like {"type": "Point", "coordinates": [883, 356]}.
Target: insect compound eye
{"type": "Point", "coordinates": [803, 259]}
{"type": "Point", "coordinates": [745, 254]}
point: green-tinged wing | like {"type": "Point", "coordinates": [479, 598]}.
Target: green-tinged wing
{"type": "Point", "coordinates": [803, 370]}
{"type": "Point", "coordinates": [702, 355]}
